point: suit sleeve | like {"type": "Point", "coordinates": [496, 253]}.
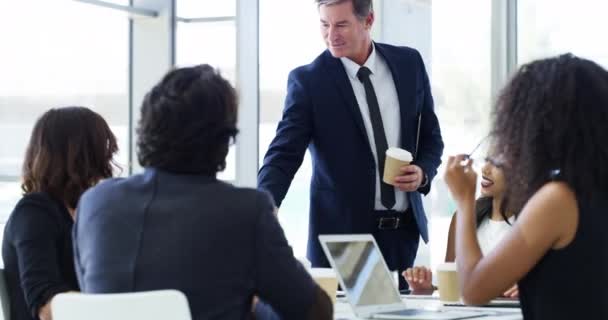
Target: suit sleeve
{"type": "Point", "coordinates": [430, 146]}
{"type": "Point", "coordinates": [281, 281]}
{"type": "Point", "coordinates": [35, 241]}
{"type": "Point", "coordinates": [287, 149]}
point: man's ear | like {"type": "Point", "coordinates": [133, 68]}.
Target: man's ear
{"type": "Point", "coordinates": [369, 20]}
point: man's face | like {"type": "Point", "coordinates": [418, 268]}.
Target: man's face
{"type": "Point", "coordinates": [344, 33]}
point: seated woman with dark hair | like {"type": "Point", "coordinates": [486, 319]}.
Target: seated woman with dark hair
{"type": "Point", "coordinates": [492, 219]}
{"type": "Point", "coordinates": [70, 150]}
{"type": "Point", "coordinates": [177, 226]}
{"type": "Point", "coordinates": [550, 126]}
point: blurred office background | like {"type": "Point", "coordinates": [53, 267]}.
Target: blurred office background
{"type": "Point", "coordinates": [106, 54]}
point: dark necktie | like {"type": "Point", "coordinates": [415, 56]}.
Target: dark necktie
{"type": "Point", "coordinates": [387, 193]}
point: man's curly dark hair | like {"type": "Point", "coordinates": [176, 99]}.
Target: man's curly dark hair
{"type": "Point", "coordinates": [187, 122]}
{"type": "Point", "coordinates": [551, 122]}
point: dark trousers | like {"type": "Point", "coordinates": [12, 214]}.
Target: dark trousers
{"type": "Point", "coordinates": [399, 247]}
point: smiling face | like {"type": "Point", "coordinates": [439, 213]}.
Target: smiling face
{"type": "Point", "coordinates": [493, 179]}
{"type": "Point", "coordinates": [345, 34]}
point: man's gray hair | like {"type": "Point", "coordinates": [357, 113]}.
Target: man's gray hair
{"type": "Point", "coordinates": [362, 8]}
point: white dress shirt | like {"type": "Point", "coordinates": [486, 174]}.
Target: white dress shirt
{"type": "Point", "coordinates": [386, 92]}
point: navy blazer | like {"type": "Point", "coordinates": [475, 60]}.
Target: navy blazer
{"type": "Point", "coordinates": [321, 113]}
{"type": "Point", "coordinates": [216, 243]}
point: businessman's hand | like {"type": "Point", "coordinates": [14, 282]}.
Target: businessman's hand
{"type": "Point", "coordinates": [410, 178]}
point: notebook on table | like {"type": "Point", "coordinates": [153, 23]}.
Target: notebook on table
{"type": "Point", "coordinates": [368, 284]}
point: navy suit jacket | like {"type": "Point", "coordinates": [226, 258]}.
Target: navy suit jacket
{"type": "Point", "coordinates": [216, 243]}
{"type": "Point", "coordinates": [321, 113]}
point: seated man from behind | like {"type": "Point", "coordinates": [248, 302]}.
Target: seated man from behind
{"type": "Point", "coordinates": [175, 226]}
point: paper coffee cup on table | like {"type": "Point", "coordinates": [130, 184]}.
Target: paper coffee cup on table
{"type": "Point", "coordinates": [447, 280]}
{"type": "Point", "coordinates": [327, 280]}
{"type": "Point", "coordinates": [395, 159]}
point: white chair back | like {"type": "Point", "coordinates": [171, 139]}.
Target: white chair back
{"type": "Point", "coordinates": [4, 298]}
{"type": "Point", "coordinates": [148, 305]}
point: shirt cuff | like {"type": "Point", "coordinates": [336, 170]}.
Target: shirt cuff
{"type": "Point", "coordinates": [425, 181]}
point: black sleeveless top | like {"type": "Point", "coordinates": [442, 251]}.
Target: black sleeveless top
{"type": "Point", "coordinates": [572, 283]}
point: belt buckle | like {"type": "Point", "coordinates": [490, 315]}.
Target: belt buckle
{"type": "Point", "coordinates": [388, 223]}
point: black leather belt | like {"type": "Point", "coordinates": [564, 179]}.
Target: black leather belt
{"type": "Point", "coordinates": [391, 219]}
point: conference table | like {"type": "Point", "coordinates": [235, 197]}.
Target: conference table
{"type": "Point", "coordinates": [343, 310]}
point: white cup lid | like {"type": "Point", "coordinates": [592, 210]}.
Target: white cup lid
{"type": "Point", "coordinates": [400, 154]}
{"type": "Point", "coordinates": [322, 273]}
{"type": "Point", "coordinates": [448, 266]}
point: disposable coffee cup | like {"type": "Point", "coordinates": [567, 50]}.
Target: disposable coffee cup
{"type": "Point", "coordinates": [394, 160]}
{"type": "Point", "coordinates": [447, 280]}
{"type": "Point", "coordinates": [327, 280]}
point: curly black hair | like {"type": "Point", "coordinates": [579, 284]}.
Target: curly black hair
{"type": "Point", "coordinates": [550, 122]}
{"type": "Point", "coordinates": [187, 122]}
{"type": "Point", "coordinates": [70, 150]}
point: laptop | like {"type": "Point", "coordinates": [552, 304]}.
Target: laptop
{"type": "Point", "coordinates": [368, 284]}
{"type": "Point", "coordinates": [494, 303]}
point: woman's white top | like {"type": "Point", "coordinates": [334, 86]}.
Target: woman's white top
{"type": "Point", "coordinates": [491, 232]}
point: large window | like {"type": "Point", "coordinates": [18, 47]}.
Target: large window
{"type": "Point", "coordinates": [194, 9]}
{"type": "Point", "coordinates": [551, 27]}
{"type": "Point", "coordinates": [461, 84]}
{"type": "Point", "coordinates": [58, 53]}
{"type": "Point", "coordinates": [206, 33]}
{"type": "Point", "coordinates": [289, 37]}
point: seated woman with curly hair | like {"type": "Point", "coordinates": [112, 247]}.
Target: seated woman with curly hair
{"type": "Point", "coordinates": [493, 221]}
{"type": "Point", "coordinates": [70, 150]}
{"type": "Point", "coordinates": [550, 126]}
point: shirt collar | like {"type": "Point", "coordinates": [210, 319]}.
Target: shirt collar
{"type": "Point", "coordinates": [352, 67]}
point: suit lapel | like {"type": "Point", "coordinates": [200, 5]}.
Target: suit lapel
{"type": "Point", "coordinates": [337, 72]}
{"type": "Point", "coordinates": [404, 94]}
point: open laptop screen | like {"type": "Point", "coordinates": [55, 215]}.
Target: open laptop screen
{"type": "Point", "coordinates": [364, 274]}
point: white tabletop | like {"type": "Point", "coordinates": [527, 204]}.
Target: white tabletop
{"type": "Point", "coordinates": [343, 311]}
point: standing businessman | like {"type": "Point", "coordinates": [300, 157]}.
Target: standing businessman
{"type": "Point", "coordinates": [348, 106]}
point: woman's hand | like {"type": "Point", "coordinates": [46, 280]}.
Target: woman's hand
{"type": "Point", "coordinates": [44, 313]}
{"type": "Point", "coordinates": [419, 279]}
{"type": "Point", "coordinates": [513, 292]}
{"type": "Point", "coordinates": [461, 178]}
